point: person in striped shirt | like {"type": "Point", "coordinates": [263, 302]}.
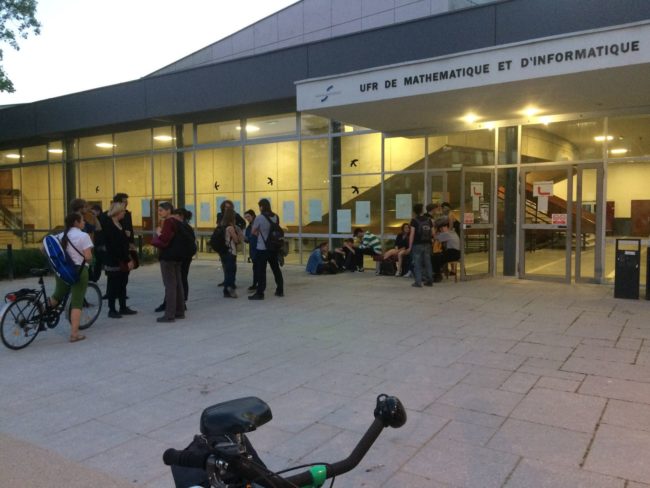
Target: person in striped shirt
{"type": "Point", "coordinates": [365, 243]}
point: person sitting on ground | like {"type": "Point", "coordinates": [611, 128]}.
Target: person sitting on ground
{"type": "Point", "coordinates": [368, 244]}
{"type": "Point", "coordinates": [401, 248]}
{"type": "Point", "coordinates": [345, 255]}
{"type": "Point", "coordinates": [450, 247]}
{"type": "Point", "coordinates": [321, 261]}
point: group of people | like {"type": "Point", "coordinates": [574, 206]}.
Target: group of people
{"type": "Point", "coordinates": [421, 249]}
{"type": "Point", "coordinates": [256, 235]}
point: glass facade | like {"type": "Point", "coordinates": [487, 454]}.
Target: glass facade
{"type": "Point", "coordinates": [324, 178]}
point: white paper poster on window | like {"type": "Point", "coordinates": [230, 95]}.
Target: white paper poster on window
{"type": "Point", "coordinates": [315, 210]}
{"type": "Point", "coordinates": [289, 212]}
{"type": "Point", "coordinates": [403, 205]}
{"type": "Point", "coordinates": [343, 221]}
{"type": "Point", "coordinates": [205, 212]}
{"type": "Point", "coordinates": [146, 207]}
{"type": "Point", "coordinates": [237, 204]}
{"type": "Point", "coordinates": [362, 214]}
{"type": "Point", "coordinates": [476, 189]}
{"type": "Point", "coordinates": [542, 204]}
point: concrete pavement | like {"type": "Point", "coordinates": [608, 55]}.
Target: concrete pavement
{"type": "Point", "coordinates": [507, 383]}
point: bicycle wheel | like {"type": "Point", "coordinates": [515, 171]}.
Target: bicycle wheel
{"type": "Point", "coordinates": [21, 322]}
{"type": "Point", "coordinates": [91, 308]}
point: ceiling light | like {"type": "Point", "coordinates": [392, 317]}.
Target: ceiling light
{"type": "Point", "coordinates": [619, 150]}
{"type": "Point", "coordinates": [470, 118]}
{"type": "Point", "coordinates": [12, 156]}
{"type": "Point", "coordinates": [249, 128]}
{"type": "Point", "coordinates": [530, 111]}
{"type": "Point", "coordinates": [603, 138]}
{"type": "Point", "coordinates": [163, 138]}
{"type": "Point", "coordinates": [55, 151]}
{"type": "Point", "coordinates": [105, 145]}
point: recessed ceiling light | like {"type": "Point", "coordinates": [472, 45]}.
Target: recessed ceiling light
{"type": "Point", "coordinates": [55, 151]}
{"type": "Point", "coordinates": [105, 145]}
{"type": "Point", "coordinates": [470, 118]}
{"type": "Point", "coordinates": [249, 128]}
{"type": "Point", "coordinates": [12, 156]}
{"type": "Point", "coordinates": [603, 138]}
{"type": "Point", "coordinates": [163, 138]}
{"type": "Point", "coordinates": [530, 111]}
{"type": "Point", "coordinates": [619, 150]}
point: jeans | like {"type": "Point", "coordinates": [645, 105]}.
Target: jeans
{"type": "Point", "coordinates": [229, 263]}
{"type": "Point", "coordinates": [261, 258]}
{"type": "Point", "coordinates": [421, 255]}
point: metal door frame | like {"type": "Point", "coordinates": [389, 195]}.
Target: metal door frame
{"type": "Point", "coordinates": [600, 223]}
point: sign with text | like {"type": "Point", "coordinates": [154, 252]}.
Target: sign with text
{"type": "Point", "coordinates": [543, 189]}
{"type": "Point", "coordinates": [559, 219]}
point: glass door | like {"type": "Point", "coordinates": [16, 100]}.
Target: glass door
{"type": "Point", "coordinates": [477, 217]}
{"type": "Point", "coordinates": [588, 224]}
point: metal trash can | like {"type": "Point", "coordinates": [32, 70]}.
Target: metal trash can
{"type": "Point", "coordinates": [628, 268]}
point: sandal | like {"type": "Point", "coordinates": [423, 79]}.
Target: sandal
{"type": "Point", "coordinates": [77, 338]}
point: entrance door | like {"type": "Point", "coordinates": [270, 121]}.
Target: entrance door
{"type": "Point", "coordinates": [477, 217]}
{"type": "Point", "coordinates": [561, 219]}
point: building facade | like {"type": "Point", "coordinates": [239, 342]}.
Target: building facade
{"type": "Point", "coordinates": [530, 117]}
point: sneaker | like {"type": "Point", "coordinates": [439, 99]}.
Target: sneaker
{"type": "Point", "coordinates": [279, 293]}
{"type": "Point", "coordinates": [128, 311]}
{"type": "Point", "coordinates": [164, 319]}
{"type": "Point", "coordinates": [160, 308]}
{"type": "Point", "coordinates": [360, 269]}
{"type": "Point", "coordinates": [112, 314]}
{"type": "Point", "coordinates": [229, 292]}
{"type": "Point", "coordinates": [408, 274]}
{"type": "Point", "coordinates": [256, 296]}
{"type": "Point", "coordinates": [416, 285]}
{"type": "Point", "coordinates": [398, 273]}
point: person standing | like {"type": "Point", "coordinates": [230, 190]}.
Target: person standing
{"type": "Point", "coordinates": [420, 246]}
{"type": "Point", "coordinates": [262, 229]}
{"type": "Point", "coordinates": [251, 239]}
{"type": "Point", "coordinates": [117, 261]}
{"type": "Point", "coordinates": [78, 246]}
{"type": "Point", "coordinates": [233, 236]}
{"type": "Point", "coordinates": [170, 263]}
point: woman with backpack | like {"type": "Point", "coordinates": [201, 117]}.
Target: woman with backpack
{"type": "Point", "coordinates": [78, 246]}
{"type": "Point", "coordinates": [263, 227]}
{"type": "Point", "coordinates": [233, 236]}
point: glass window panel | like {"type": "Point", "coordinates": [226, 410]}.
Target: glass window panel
{"type": "Point", "coordinates": [92, 147]}
{"type": "Point", "coordinates": [10, 209]}
{"type": "Point", "coordinates": [562, 141]}
{"type": "Point", "coordinates": [507, 215]}
{"type": "Point", "coordinates": [315, 186]}
{"type": "Point", "coordinates": [57, 188]}
{"type": "Point", "coordinates": [133, 177]}
{"type": "Point", "coordinates": [311, 125]}
{"type": "Point", "coordinates": [218, 178]}
{"type": "Point", "coordinates": [55, 151]}
{"type": "Point", "coordinates": [218, 132]}
{"type": "Point", "coordinates": [359, 154]}
{"type": "Point", "coordinates": [356, 194]}
{"type": "Point", "coordinates": [163, 177]}
{"type": "Point", "coordinates": [36, 197]}
{"type": "Point", "coordinates": [188, 135]}
{"type": "Point", "coordinates": [34, 154]}
{"type": "Point", "coordinates": [471, 148]}
{"type": "Point", "coordinates": [627, 136]}
{"type": "Point", "coordinates": [401, 153]}
{"type": "Point", "coordinates": [338, 127]}
{"type": "Point", "coordinates": [134, 141]}
{"type": "Point", "coordinates": [95, 181]}
{"type": "Point", "coordinates": [271, 126]}
{"type": "Point", "coordinates": [399, 190]}
{"type": "Point", "coordinates": [10, 156]}
{"type": "Point", "coordinates": [272, 172]}
{"type": "Point", "coordinates": [164, 138]}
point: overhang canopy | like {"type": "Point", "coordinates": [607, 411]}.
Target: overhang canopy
{"type": "Point", "coordinates": [603, 70]}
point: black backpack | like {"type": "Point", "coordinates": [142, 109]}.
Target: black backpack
{"type": "Point", "coordinates": [275, 240]}
{"type": "Point", "coordinates": [218, 240]}
{"type": "Point", "coordinates": [423, 229]}
{"type": "Point", "coordinates": [187, 239]}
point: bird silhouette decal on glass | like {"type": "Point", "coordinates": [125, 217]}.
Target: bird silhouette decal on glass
{"type": "Point", "coordinates": [270, 181]}
{"type": "Point", "coordinates": [354, 163]}
{"type": "Point", "coordinates": [216, 185]}
{"type": "Point", "coordinates": [97, 189]}
{"type": "Point", "coordinates": [355, 190]}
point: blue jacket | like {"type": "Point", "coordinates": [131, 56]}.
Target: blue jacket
{"type": "Point", "coordinates": [315, 258]}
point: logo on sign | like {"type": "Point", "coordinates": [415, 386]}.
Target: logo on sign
{"type": "Point", "coordinates": [543, 188]}
{"type": "Point", "coordinates": [329, 91]}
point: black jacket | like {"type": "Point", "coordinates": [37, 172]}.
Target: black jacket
{"type": "Point", "coordinates": [117, 244]}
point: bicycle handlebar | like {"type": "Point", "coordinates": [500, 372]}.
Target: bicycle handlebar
{"type": "Point", "coordinates": [388, 412]}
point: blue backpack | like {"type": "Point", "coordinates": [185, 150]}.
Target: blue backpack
{"type": "Point", "coordinates": [60, 262]}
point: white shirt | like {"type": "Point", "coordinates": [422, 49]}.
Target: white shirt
{"type": "Point", "coordinates": [79, 240]}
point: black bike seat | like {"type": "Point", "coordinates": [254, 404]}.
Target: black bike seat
{"type": "Point", "coordinates": [39, 271]}
{"type": "Point", "coordinates": [235, 417]}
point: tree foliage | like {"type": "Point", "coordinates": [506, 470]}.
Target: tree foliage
{"type": "Point", "coordinates": [17, 21]}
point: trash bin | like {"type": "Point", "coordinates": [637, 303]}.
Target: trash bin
{"type": "Point", "coordinates": [628, 268]}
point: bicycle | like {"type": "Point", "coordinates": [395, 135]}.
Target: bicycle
{"type": "Point", "coordinates": [223, 457]}
{"type": "Point", "coordinates": [28, 312]}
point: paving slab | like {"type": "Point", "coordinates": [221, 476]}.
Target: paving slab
{"type": "Point", "coordinates": [481, 366]}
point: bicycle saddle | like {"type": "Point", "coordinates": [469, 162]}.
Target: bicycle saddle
{"type": "Point", "coordinates": [39, 271]}
{"type": "Point", "coordinates": [235, 416]}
